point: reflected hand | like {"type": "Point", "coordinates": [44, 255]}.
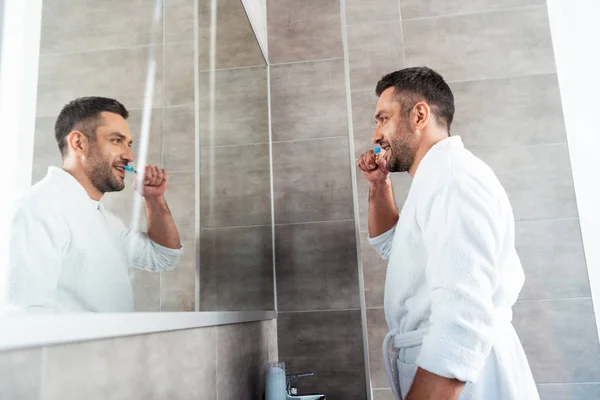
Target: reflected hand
{"type": "Point", "coordinates": [155, 182]}
{"type": "Point", "coordinates": [374, 169]}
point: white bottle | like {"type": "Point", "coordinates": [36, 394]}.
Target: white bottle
{"type": "Point", "coordinates": [275, 381]}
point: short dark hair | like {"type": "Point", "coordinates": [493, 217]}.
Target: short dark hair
{"type": "Point", "coordinates": [83, 114]}
{"type": "Point", "coordinates": [415, 84]}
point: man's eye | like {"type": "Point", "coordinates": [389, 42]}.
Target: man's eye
{"type": "Point", "coordinates": [116, 141]}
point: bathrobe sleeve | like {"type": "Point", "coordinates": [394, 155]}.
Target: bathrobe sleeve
{"type": "Point", "coordinates": [463, 238]}
{"type": "Point", "coordinates": [142, 251]}
{"type": "Point", "coordinates": [37, 243]}
{"type": "Point", "coordinates": [383, 242]}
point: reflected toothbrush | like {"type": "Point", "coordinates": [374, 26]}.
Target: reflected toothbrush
{"type": "Point", "coordinates": [130, 169]}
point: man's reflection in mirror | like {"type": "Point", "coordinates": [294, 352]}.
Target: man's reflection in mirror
{"type": "Point", "coordinates": [70, 254]}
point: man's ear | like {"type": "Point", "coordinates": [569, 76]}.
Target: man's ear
{"type": "Point", "coordinates": [420, 115]}
{"type": "Point", "coordinates": [78, 142]}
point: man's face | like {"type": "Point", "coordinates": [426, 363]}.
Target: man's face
{"type": "Point", "coordinates": [394, 134]}
{"type": "Point", "coordinates": [109, 153]}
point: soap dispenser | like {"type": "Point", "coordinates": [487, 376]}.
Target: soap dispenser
{"type": "Point", "coordinates": [275, 381]}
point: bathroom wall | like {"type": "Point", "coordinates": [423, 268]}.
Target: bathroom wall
{"type": "Point", "coordinates": [498, 58]}
{"type": "Point", "coordinates": [213, 363]}
{"type": "Point", "coordinates": [318, 297]}
{"type": "Point", "coordinates": [112, 60]}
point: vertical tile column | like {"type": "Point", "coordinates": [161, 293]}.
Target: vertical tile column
{"type": "Point", "coordinates": [319, 323]}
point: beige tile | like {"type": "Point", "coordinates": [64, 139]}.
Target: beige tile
{"type": "Point", "coordinates": [431, 8]}
{"type": "Point", "coordinates": [560, 340]}
{"type": "Point", "coordinates": [181, 197]}
{"type": "Point", "coordinates": [552, 256]}
{"type": "Point", "coordinates": [181, 365]}
{"type": "Point", "coordinates": [312, 181]}
{"type": "Point", "coordinates": [183, 277]}
{"type": "Point", "coordinates": [308, 100]}
{"type": "Point", "coordinates": [179, 20]}
{"type": "Point", "coordinates": [89, 25]}
{"type": "Point", "coordinates": [377, 329]}
{"type": "Point", "coordinates": [401, 186]}
{"type": "Point", "coordinates": [237, 264]}
{"type": "Point", "coordinates": [179, 139]}
{"type": "Point", "coordinates": [374, 272]}
{"type": "Point", "coordinates": [146, 290]}
{"type": "Point", "coordinates": [119, 74]}
{"type": "Point", "coordinates": [235, 178]}
{"type": "Point", "coordinates": [571, 391]}
{"type": "Point", "coordinates": [242, 353]}
{"type": "Point", "coordinates": [509, 112]}
{"type": "Point", "coordinates": [538, 179]}
{"type": "Point", "coordinates": [269, 332]}
{"type": "Point", "coordinates": [241, 108]}
{"type": "Point", "coordinates": [303, 30]}
{"type": "Point", "coordinates": [500, 44]}
{"type": "Point", "coordinates": [20, 374]}
{"type": "Point", "coordinates": [329, 344]}
{"type": "Point", "coordinates": [316, 266]}
{"type": "Point", "coordinates": [179, 74]}
{"type": "Point", "coordinates": [374, 50]}
{"type": "Point", "coordinates": [360, 11]}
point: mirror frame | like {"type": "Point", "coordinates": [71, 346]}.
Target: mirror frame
{"type": "Point", "coordinates": [19, 65]}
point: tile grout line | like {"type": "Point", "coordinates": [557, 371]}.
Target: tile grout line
{"type": "Point", "coordinates": [197, 195]}
{"type": "Point", "coordinates": [272, 189]}
{"type": "Point", "coordinates": [351, 150]}
{"type": "Point", "coordinates": [402, 34]}
{"type": "Point", "coordinates": [551, 299]}
{"type": "Point", "coordinates": [495, 78]}
{"type": "Point", "coordinates": [162, 150]}
{"type": "Point", "coordinates": [99, 50]}
{"type": "Point", "coordinates": [308, 61]}
{"type": "Point", "coordinates": [481, 12]}
{"type": "Point", "coordinates": [318, 311]}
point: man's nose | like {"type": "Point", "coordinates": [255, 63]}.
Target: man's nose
{"type": "Point", "coordinates": [377, 136]}
{"type": "Point", "coordinates": [128, 155]}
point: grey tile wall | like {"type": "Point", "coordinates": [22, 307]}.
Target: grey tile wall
{"type": "Point", "coordinates": [375, 49]}
{"type": "Point", "coordinates": [480, 46]}
{"type": "Point", "coordinates": [303, 31]}
{"type": "Point", "coordinates": [315, 235]}
{"type": "Point", "coordinates": [552, 256]}
{"type": "Point", "coordinates": [537, 179]}
{"type": "Point", "coordinates": [312, 266]}
{"type": "Point", "coordinates": [308, 100]}
{"type": "Point", "coordinates": [377, 328]}
{"type": "Point", "coordinates": [59, 82]}
{"type": "Point", "coordinates": [312, 181]}
{"type": "Point", "coordinates": [236, 269]}
{"type": "Point", "coordinates": [509, 111]}
{"type": "Point", "coordinates": [359, 11]}
{"type": "Point", "coordinates": [583, 391]}
{"type": "Point", "coordinates": [171, 365]}
{"type": "Point", "coordinates": [431, 8]}
{"type": "Point", "coordinates": [20, 374]}
{"type": "Point", "coordinates": [325, 343]}
{"type": "Point", "coordinates": [383, 394]}
{"type": "Point", "coordinates": [560, 339]}
{"type": "Point", "coordinates": [113, 26]}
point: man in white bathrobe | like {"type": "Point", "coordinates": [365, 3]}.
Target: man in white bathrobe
{"type": "Point", "coordinates": [453, 273]}
{"type": "Point", "coordinates": [68, 253]}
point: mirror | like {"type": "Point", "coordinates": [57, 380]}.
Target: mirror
{"type": "Point", "coordinates": [197, 108]}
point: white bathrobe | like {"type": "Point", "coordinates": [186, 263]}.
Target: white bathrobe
{"type": "Point", "coordinates": [69, 254]}
{"type": "Point", "coordinates": [453, 277]}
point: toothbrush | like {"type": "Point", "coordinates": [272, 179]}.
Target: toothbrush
{"type": "Point", "coordinates": [130, 169]}
{"type": "Point", "coordinates": [376, 151]}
